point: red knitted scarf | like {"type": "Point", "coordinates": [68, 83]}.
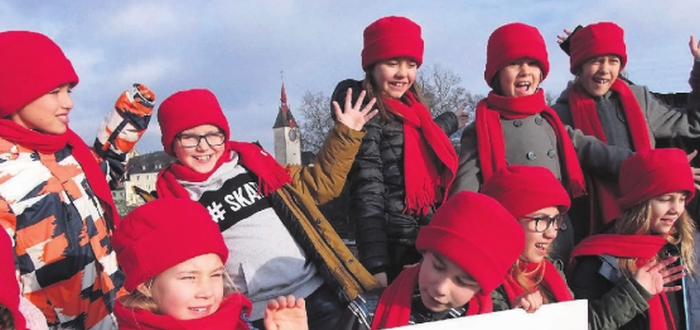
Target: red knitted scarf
{"type": "Point", "coordinates": [50, 144]}
{"type": "Point", "coordinates": [228, 316]}
{"type": "Point", "coordinates": [427, 183]}
{"type": "Point", "coordinates": [585, 117]}
{"type": "Point", "coordinates": [271, 175]}
{"type": "Point", "coordinates": [394, 307]}
{"type": "Point", "coordinates": [641, 247]}
{"type": "Point", "coordinates": [492, 147]}
{"type": "Point", "coordinates": [544, 276]}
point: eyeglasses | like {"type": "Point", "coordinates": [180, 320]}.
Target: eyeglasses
{"type": "Point", "coordinates": [542, 223]}
{"type": "Point", "coordinates": [193, 140]}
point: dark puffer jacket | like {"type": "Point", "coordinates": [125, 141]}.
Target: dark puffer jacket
{"type": "Point", "coordinates": [385, 235]}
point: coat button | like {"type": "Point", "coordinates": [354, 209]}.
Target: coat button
{"type": "Point", "coordinates": [551, 153]}
{"type": "Point", "coordinates": [538, 121]}
{"type": "Point", "coordinates": [531, 156]}
{"type": "Point", "coordinates": [518, 123]}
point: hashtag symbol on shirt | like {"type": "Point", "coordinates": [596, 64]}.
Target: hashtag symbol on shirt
{"type": "Point", "coordinates": [217, 211]}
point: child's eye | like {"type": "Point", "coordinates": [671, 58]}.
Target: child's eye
{"type": "Point", "coordinates": [187, 278]}
{"type": "Point", "coordinates": [218, 275]}
{"type": "Point", "coordinates": [438, 267]}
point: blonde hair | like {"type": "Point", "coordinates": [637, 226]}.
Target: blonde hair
{"type": "Point", "coordinates": [636, 221]}
{"type": "Point", "coordinates": [138, 300]}
{"type": "Point", "coordinates": [369, 85]}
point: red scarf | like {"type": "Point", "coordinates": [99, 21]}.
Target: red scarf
{"type": "Point", "coordinates": [641, 247]}
{"type": "Point", "coordinates": [492, 147]}
{"type": "Point", "coordinates": [426, 182]}
{"type": "Point", "coordinates": [394, 308]}
{"type": "Point", "coordinates": [585, 117]}
{"type": "Point", "coordinates": [271, 175]}
{"type": "Point", "coordinates": [550, 279]}
{"type": "Point", "coordinates": [50, 144]}
{"type": "Point", "coordinates": [228, 316]}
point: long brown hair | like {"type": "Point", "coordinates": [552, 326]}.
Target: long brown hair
{"type": "Point", "coordinates": [372, 91]}
{"type": "Point", "coordinates": [636, 221]}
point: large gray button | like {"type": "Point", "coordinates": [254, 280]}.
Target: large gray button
{"type": "Point", "coordinates": [551, 153]}
{"type": "Point", "coordinates": [531, 155]}
{"type": "Point", "coordinates": [538, 121]}
{"type": "Point", "coordinates": [518, 123]}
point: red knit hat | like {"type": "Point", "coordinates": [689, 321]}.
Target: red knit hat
{"type": "Point", "coordinates": [187, 109]}
{"type": "Point", "coordinates": [161, 234]}
{"type": "Point", "coordinates": [523, 189]}
{"type": "Point", "coordinates": [31, 65]}
{"type": "Point", "coordinates": [595, 40]}
{"type": "Point", "coordinates": [475, 232]}
{"type": "Point", "coordinates": [652, 173]}
{"type": "Point", "coordinates": [9, 295]}
{"type": "Point", "coordinates": [390, 37]}
{"type": "Point", "coordinates": [511, 42]}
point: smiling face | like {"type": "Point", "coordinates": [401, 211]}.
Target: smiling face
{"type": "Point", "coordinates": [665, 211]}
{"type": "Point", "coordinates": [537, 244]}
{"type": "Point", "coordinates": [189, 290]}
{"type": "Point", "coordinates": [394, 77]}
{"type": "Point", "coordinates": [443, 284]}
{"type": "Point", "coordinates": [203, 157]}
{"type": "Point", "coordinates": [521, 77]}
{"type": "Point", "coordinates": [599, 73]}
{"type": "Point", "coordinates": [47, 114]}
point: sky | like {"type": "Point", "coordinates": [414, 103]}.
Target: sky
{"type": "Point", "coordinates": [238, 49]}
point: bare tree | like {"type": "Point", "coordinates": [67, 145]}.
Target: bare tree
{"type": "Point", "coordinates": [440, 87]}
{"type": "Point", "coordinates": [317, 121]}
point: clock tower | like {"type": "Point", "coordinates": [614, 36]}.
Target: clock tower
{"type": "Point", "coordinates": [287, 135]}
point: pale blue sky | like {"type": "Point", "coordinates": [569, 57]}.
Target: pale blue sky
{"type": "Point", "coordinates": [238, 48]}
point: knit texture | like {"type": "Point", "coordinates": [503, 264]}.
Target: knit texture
{"type": "Point", "coordinates": [390, 37]}
{"type": "Point", "coordinates": [511, 42]}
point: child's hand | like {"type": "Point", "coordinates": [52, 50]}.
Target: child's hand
{"type": "Point", "coordinates": [694, 48]}
{"type": "Point", "coordinates": [562, 37]}
{"type": "Point", "coordinates": [286, 313]}
{"type": "Point", "coordinates": [530, 302]}
{"type": "Point", "coordinates": [352, 116]}
{"type": "Point", "coordinates": [655, 274]}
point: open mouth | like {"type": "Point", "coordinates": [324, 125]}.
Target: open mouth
{"type": "Point", "coordinates": [542, 247]}
{"type": "Point", "coordinates": [199, 310]}
{"type": "Point", "coordinates": [202, 158]}
{"type": "Point", "coordinates": [523, 87]}
{"type": "Point", "coordinates": [601, 81]}
{"type": "Point", "coordinates": [397, 84]}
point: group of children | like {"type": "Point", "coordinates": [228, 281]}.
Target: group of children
{"type": "Point", "coordinates": [236, 241]}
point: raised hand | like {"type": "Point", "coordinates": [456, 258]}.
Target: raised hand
{"type": "Point", "coordinates": [562, 37]}
{"type": "Point", "coordinates": [530, 302]}
{"type": "Point", "coordinates": [355, 116]}
{"type": "Point", "coordinates": [694, 48]}
{"type": "Point", "coordinates": [654, 275]}
{"type": "Point", "coordinates": [286, 313]}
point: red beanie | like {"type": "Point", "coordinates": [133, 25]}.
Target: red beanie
{"type": "Point", "coordinates": [652, 173]}
{"type": "Point", "coordinates": [464, 230]}
{"type": "Point", "coordinates": [187, 109]}
{"type": "Point", "coordinates": [390, 37]}
{"type": "Point", "coordinates": [595, 40]}
{"type": "Point", "coordinates": [161, 234]}
{"type": "Point", "coordinates": [511, 42]}
{"type": "Point", "coordinates": [523, 189]}
{"type": "Point", "coordinates": [31, 65]}
{"type": "Point", "coordinates": [9, 295]}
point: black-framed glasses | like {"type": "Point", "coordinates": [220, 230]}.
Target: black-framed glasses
{"type": "Point", "coordinates": [542, 223]}
{"type": "Point", "coordinates": [193, 140]}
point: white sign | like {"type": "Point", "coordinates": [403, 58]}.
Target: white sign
{"type": "Point", "coordinates": [571, 315]}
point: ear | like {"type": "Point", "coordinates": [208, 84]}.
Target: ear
{"type": "Point", "coordinates": [144, 290]}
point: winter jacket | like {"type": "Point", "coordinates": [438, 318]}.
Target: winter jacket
{"type": "Point", "coordinates": [385, 235]}
{"type": "Point", "coordinates": [360, 313]}
{"type": "Point", "coordinates": [296, 205]}
{"type": "Point", "coordinates": [61, 230]}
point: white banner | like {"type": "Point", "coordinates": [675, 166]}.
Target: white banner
{"type": "Point", "coordinates": [571, 315]}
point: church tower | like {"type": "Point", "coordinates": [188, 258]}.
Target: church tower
{"type": "Point", "coordinates": [287, 135]}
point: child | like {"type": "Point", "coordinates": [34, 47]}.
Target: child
{"type": "Point", "coordinates": [538, 200]}
{"type": "Point", "coordinates": [514, 125]}
{"type": "Point", "coordinates": [406, 163]}
{"type": "Point", "coordinates": [459, 270]}
{"type": "Point", "coordinates": [623, 272]}
{"type": "Point", "coordinates": [173, 256]}
{"type": "Point", "coordinates": [55, 203]}
{"type": "Point", "coordinates": [267, 213]}
{"type": "Point", "coordinates": [629, 117]}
